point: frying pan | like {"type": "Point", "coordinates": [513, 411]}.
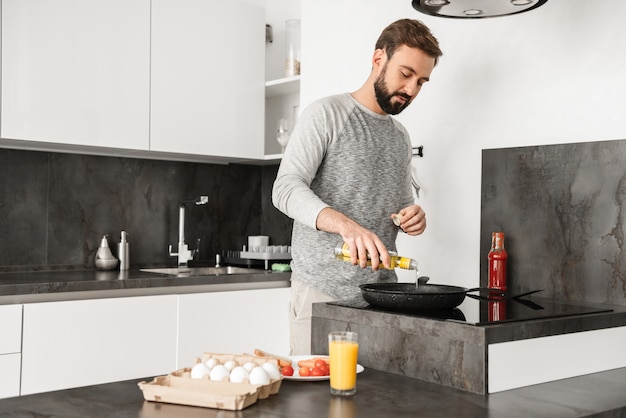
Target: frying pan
{"type": "Point", "coordinates": [406, 296]}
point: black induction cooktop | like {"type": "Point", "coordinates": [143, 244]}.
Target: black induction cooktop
{"type": "Point", "coordinates": [485, 312]}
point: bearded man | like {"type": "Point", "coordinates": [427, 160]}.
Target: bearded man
{"type": "Point", "coordinates": [345, 176]}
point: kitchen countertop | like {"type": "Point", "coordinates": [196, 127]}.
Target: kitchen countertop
{"type": "Point", "coordinates": [43, 286]}
{"type": "Point", "coordinates": [378, 395]}
{"type": "Point", "coordinates": [600, 316]}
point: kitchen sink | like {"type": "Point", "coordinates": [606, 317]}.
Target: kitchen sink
{"type": "Point", "coordinates": [203, 271]}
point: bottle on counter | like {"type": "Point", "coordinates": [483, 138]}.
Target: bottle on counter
{"type": "Point", "coordinates": [497, 262]}
{"type": "Point", "coordinates": [105, 260]}
{"type": "Point", "coordinates": [342, 252]}
{"type": "Point", "coordinates": [123, 251]}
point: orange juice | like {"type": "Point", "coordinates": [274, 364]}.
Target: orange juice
{"type": "Point", "coordinates": [343, 359]}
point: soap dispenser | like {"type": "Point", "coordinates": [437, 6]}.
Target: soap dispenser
{"type": "Point", "coordinates": [105, 260]}
{"type": "Point", "coordinates": [123, 252]}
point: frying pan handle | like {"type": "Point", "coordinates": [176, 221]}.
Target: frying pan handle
{"type": "Point", "coordinates": [490, 289]}
{"type": "Point", "coordinates": [495, 294]}
{"type": "Point", "coordinates": [499, 294]}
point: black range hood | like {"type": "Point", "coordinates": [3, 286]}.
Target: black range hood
{"type": "Point", "coordinates": [475, 9]}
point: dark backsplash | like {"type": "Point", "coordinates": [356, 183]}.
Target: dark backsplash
{"type": "Point", "coordinates": [563, 211]}
{"type": "Point", "coordinates": [55, 208]}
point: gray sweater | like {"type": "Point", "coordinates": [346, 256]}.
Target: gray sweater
{"type": "Point", "coordinates": [358, 162]}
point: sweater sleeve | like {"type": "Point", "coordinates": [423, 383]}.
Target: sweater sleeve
{"type": "Point", "coordinates": [304, 153]}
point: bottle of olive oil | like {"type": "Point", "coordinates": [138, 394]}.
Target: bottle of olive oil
{"type": "Point", "coordinates": [342, 252]}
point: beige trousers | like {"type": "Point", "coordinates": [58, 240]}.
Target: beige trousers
{"type": "Point", "coordinates": [302, 299]}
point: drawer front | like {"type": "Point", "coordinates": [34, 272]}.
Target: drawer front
{"type": "Point", "coordinates": [10, 375]}
{"type": "Point", "coordinates": [10, 329]}
{"type": "Point", "coordinates": [77, 343]}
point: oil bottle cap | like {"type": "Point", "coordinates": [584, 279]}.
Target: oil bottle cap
{"type": "Point", "coordinates": [342, 250]}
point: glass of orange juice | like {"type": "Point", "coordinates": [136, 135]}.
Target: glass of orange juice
{"type": "Point", "coordinates": [343, 350]}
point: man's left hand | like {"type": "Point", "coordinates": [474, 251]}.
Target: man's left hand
{"type": "Point", "coordinates": [412, 219]}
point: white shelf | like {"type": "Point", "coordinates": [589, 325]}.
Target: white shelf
{"type": "Point", "coordinates": [282, 86]}
{"type": "Point", "coordinates": [273, 157]}
{"type": "Point", "coordinates": [281, 95]}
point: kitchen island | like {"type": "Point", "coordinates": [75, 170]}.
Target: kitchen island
{"type": "Point", "coordinates": [379, 395]}
{"type": "Point", "coordinates": [465, 350]}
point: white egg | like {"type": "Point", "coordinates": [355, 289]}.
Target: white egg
{"type": "Point", "coordinates": [272, 370]}
{"type": "Point", "coordinates": [219, 373]}
{"type": "Point", "coordinates": [198, 371]}
{"type": "Point", "coordinates": [259, 376]}
{"type": "Point", "coordinates": [249, 366]}
{"type": "Point", "coordinates": [212, 363]}
{"type": "Point", "coordinates": [231, 364]}
{"type": "Point", "coordinates": [239, 375]}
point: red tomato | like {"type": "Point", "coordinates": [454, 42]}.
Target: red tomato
{"type": "Point", "coordinates": [304, 371]}
{"type": "Point", "coordinates": [317, 371]}
{"type": "Point", "coordinates": [320, 363]}
{"type": "Point", "coordinates": [325, 370]}
{"type": "Point", "coordinates": [287, 371]}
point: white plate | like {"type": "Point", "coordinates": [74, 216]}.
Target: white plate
{"type": "Point", "coordinates": [296, 376]}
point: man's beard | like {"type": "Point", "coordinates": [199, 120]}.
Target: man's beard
{"type": "Point", "coordinates": [383, 97]}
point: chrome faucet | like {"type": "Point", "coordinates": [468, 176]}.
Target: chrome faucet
{"type": "Point", "coordinates": [184, 253]}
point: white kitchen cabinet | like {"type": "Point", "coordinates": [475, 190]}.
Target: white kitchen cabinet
{"type": "Point", "coordinates": [207, 85]}
{"type": "Point", "coordinates": [544, 359]}
{"type": "Point", "coordinates": [233, 322]}
{"type": "Point", "coordinates": [10, 329]}
{"type": "Point", "coordinates": [85, 342]}
{"type": "Point", "coordinates": [10, 375]}
{"type": "Point", "coordinates": [10, 348]}
{"type": "Point", "coordinates": [282, 93]}
{"type": "Point", "coordinates": [76, 72]}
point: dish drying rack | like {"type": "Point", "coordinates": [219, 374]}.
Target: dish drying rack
{"type": "Point", "coordinates": [258, 255]}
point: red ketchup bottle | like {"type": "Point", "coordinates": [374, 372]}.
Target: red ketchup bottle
{"type": "Point", "coordinates": [497, 262]}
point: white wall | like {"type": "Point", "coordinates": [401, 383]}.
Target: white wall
{"type": "Point", "coordinates": [553, 75]}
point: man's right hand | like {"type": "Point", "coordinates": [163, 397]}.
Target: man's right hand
{"type": "Point", "coordinates": [360, 240]}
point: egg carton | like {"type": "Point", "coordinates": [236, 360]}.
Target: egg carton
{"type": "Point", "coordinates": [179, 388]}
{"type": "Point", "coordinates": [266, 390]}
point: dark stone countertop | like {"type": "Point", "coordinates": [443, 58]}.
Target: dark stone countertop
{"type": "Point", "coordinates": [599, 316]}
{"type": "Point", "coordinates": [378, 395]}
{"type": "Point", "coordinates": [23, 287]}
